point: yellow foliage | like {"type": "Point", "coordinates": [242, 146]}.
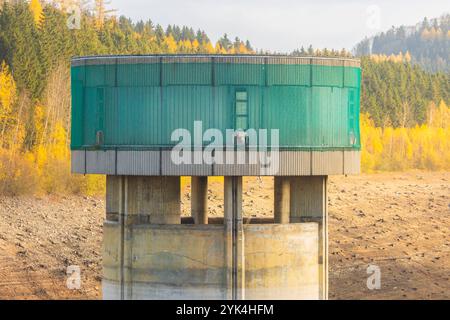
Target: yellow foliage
{"type": "Point", "coordinates": [438, 116]}
{"type": "Point", "coordinates": [422, 147]}
{"type": "Point", "coordinates": [171, 44]}
{"type": "Point", "coordinates": [18, 174]}
{"type": "Point", "coordinates": [195, 45]}
{"type": "Point", "coordinates": [397, 58]}
{"type": "Point", "coordinates": [7, 90]}
{"type": "Point", "coordinates": [209, 47]}
{"type": "Point", "coordinates": [36, 10]}
{"type": "Point", "coordinates": [38, 118]}
{"type": "Point", "coordinates": [59, 148]}
{"type": "Point", "coordinates": [219, 49]}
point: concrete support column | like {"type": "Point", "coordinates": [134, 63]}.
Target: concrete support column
{"type": "Point", "coordinates": [136, 200]}
{"type": "Point", "coordinates": [234, 246]}
{"type": "Point", "coordinates": [309, 204]}
{"type": "Point", "coordinates": [282, 189]}
{"type": "Point", "coordinates": [199, 199]}
{"type": "Point", "coordinates": [113, 184]}
{"type": "Point", "coordinates": [154, 200]}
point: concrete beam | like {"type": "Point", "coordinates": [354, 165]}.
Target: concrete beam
{"type": "Point", "coordinates": [282, 189]}
{"type": "Point", "coordinates": [309, 204]}
{"type": "Point", "coordinates": [199, 199]}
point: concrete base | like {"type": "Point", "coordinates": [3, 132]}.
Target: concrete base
{"type": "Point", "coordinates": [188, 262]}
{"type": "Point", "coordinates": [149, 254]}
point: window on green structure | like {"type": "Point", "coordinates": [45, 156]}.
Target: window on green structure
{"type": "Point", "coordinates": [241, 110]}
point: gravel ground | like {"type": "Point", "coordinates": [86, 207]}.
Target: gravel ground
{"type": "Point", "coordinates": [399, 222]}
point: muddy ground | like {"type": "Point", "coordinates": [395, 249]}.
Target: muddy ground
{"type": "Point", "coordinates": [399, 222]}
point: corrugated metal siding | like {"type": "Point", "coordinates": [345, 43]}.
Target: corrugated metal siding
{"type": "Point", "coordinates": [138, 75]}
{"type": "Point", "coordinates": [293, 163]}
{"type": "Point", "coordinates": [286, 74]}
{"type": "Point", "coordinates": [182, 106]}
{"type": "Point", "coordinates": [137, 107]}
{"type": "Point", "coordinates": [138, 163]}
{"type": "Point", "coordinates": [122, 97]}
{"type": "Point", "coordinates": [330, 76]}
{"type": "Point", "coordinates": [169, 168]}
{"type": "Point", "coordinates": [185, 73]}
{"type": "Point", "coordinates": [100, 75]}
{"type": "Point", "coordinates": [288, 163]}
{"type": "Point", "coordinates": [352, 162]}
{"type": "Point", "coordinates": [239, 74]}
{"type": "Point", "coordinates": [286, 108]}
{"type": "Point", "coordinates": [101, 162]}
{"type": "Point", "coordinates": [78, 163]}
{"type": "Point", "coordinates": [327, 162]}
{"type": "Point", "coordinates": [90, 116]}
{"type": "Point", "coordinates": [328, 118]}
{"type": "Point", "coordinates": [352, 77]}
{"type": "Point", "coordinates": [245, 164]}
{"type": "Point", "coordinates": [78, 117]}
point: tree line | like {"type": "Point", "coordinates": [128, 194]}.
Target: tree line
{"type": "Point", "coordinates": [428, 42]}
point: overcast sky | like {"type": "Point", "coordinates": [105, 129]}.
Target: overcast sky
{"type": "Point", "coordinates": [284, 25]}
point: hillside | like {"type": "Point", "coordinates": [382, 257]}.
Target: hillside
{"type": "Point", "coordinates": [428, 43]}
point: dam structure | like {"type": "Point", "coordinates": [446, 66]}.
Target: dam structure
{"type": "Point", "coordinates": [146, 121]}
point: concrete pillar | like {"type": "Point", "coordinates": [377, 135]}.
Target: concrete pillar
{"type": "Point", "coordinates": [282, 189]}
{"type": "Point", "coordinates": [151, 199]}
{"type": "Point", "coordinates": [138, 200]}
{"type": "Point", "coordinates": [113, 184]}
{"type": "Point", "coordinates": [309, 204]}
{"type": "Point", "coordinates": [199, 199]}
{"type": "Point", "coordinates": [234, 246]}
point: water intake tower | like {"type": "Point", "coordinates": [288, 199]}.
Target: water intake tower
{"type": "Point", "coordinates": [146, 121]}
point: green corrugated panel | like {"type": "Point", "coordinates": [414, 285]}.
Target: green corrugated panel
{"type": "Point", "coordinates": [223, 113]}
{"type": "Point", "coordinates": [182, 106]}
{"type": "Point", "coordinates": [239, 74]}
{"type": "Point", "coordinates": [352, 77]}
{"type": "Point", "coordinates": [90, 116]}
{"type": "Point", "coordinates": [77, 77]}
{"type": "Point", "coordinates": [138, 112]}
{"type": "Point", "coordinates": [285, 74]}
{"type": "Point", "coordinates": [111, 115]}
{"type": "Point", "coordinates": [140, 74]}
{"type": "Point", "coordinates": [98, 75]}
{"type": "Point", "coordinates": [138, 117]}
{"type": "Point", "coordinates": [187, 73]}
{"type": "Point", "coordinates": [328, 126]}
{"type": "Point", "coordinates": [327, 76]}
{"type": "Point", "coordinates": [286, 108]}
